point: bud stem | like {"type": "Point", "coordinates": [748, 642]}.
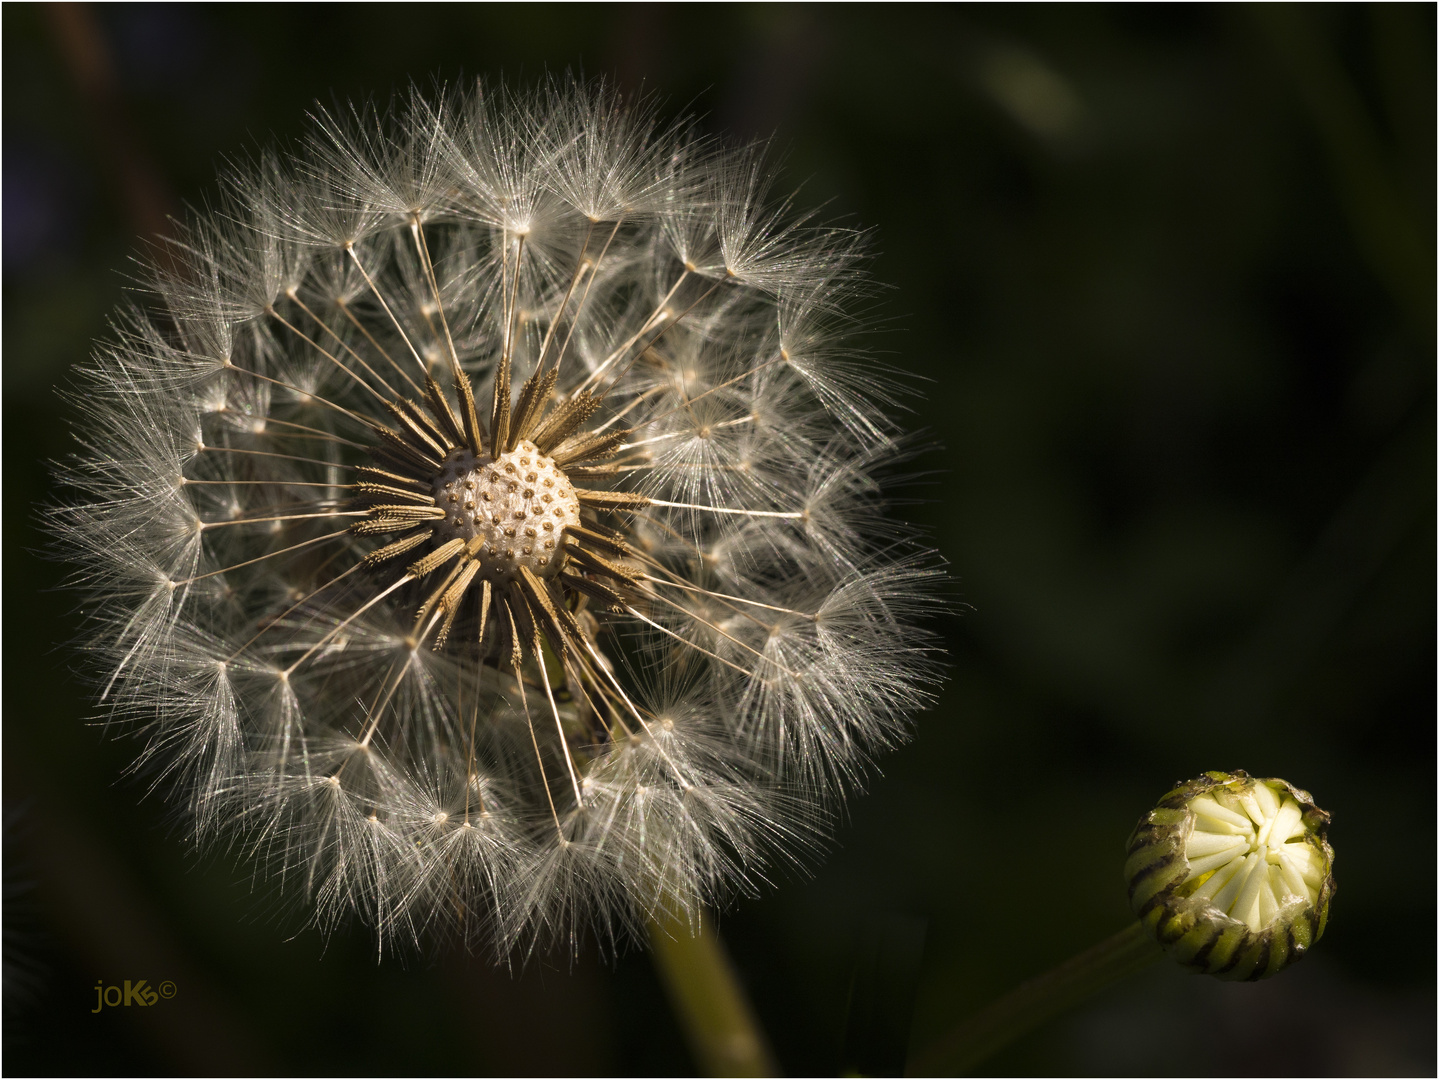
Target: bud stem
{"type": "Point", "coordinates": [706, 995]}
{"type": "Point", "coordinates": [1032, 1003]}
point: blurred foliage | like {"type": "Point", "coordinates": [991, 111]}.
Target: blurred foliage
{"type": "Point", "coordinates": [1167, 275]}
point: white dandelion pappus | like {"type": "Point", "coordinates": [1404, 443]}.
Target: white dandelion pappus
{"type": "Point", "coordinates": [482, 522]}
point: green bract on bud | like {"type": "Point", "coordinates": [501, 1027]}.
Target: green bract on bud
{"type": "Point", "coordinates": [1233, 875]}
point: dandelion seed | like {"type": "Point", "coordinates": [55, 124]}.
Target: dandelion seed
{"type": "Point", "coordinates": [525, 571]}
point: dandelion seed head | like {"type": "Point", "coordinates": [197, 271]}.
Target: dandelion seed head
{"type": "Point", "coordinates": [483, 522]}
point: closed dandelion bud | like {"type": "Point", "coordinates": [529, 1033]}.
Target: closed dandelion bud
{"type": "Point", "coordinates": [1233, 875]}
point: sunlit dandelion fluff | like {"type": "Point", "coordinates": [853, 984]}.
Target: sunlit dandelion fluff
{"type": "Point", "coordinates": [481, 524]}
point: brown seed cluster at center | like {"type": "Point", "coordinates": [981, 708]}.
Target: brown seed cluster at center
{"type": "Point", "coordinates": [519, 504]}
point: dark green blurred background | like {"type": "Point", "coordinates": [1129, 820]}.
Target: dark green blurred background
{"type": "Point", "coordinates": [1169, 275]}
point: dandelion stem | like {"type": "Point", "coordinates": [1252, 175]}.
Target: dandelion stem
{"type": "Point", "coordinates": [294, 296]}
{"type": "Point", "coordinates": [594, 272]}
{"type": "Point", "coordinates": [728, 510]}
{"type": "Point", "coordinates": [658, 311]}
{"type": "Point", "coordinates": [581, 263]}
{"type": "Point", "coordinates": [639, 400]}
{"type": "Point", "coordinates": [689, 644]}
{"type": "Point", "coordinates": [683, 434]}
{"type": "Point", "coordinates": [714, 389]}
{"type": "Point", "coordinates": [267, 483]}
{"type": "Point", "coordinates": [650, 344]}
{"type": "Point", "coordinates": [282, 517]}
{"type": "Point", "coordinates": [423, 247]}
{"type": "Point", "coordinates": [704, 991]}
{"type": "Point", "coordinates": [513, 305]}
{"type": "Point", "coordinates": [301, 432]}
{"type": "Point", "coordinates": [288, 325]}
{"type": "Point", "coordinates": [261, 558]}
{"type": "Point", "coordinates": [340, 303]}
{"type": "Point", "coordinates": [726, 596]}
{"type": "Point", "coordinates": [559, 724]}
{"type": "Point", "coordinates": [304, 395]}
{"type": "Point", "coordinates": [1035, 1002]}
{"type": "Point", "coordinates": [271, 454]}
{"type": "Point", "coordinates": [350, 250]}
{"type": "Point", "coordinates": [529, 721]}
